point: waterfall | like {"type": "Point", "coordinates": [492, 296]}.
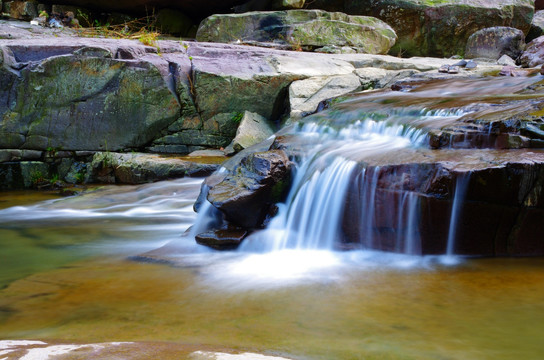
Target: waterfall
{"type": "Point", "coordinates": [335, 167]}
{"type": "Point", "coordinates": [461, 185]}
{"type": "Point", "coordinates": [311, 217]}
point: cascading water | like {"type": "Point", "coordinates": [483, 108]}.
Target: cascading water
{"type": "Point", "coordinates": [461, 185]}
{"type": "Point", "coordinates": [312, 216]}
{"type": "Point", "coordinates": [347, 169]}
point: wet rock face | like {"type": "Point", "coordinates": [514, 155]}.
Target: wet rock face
{"type": "Point", "coordinates": [300, 30]}
{"type": "Point", "coordinates": [437, 28]}
{"type": "Point", "coordinates": [248, 193]}
{"type": "Point", "coordinates": [504, 194]}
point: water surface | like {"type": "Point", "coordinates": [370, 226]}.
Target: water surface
{"type": "Point", "coordinates": [67, 277]}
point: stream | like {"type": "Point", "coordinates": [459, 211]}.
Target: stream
{"type": "Point", "coordinates": [67, 276]}
{"type": "Point", "coordinates": [71, 270]}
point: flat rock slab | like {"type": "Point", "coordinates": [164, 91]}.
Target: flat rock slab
{"type": "Point", "coordinates": [138, 168]}
{"type": "Point", "coordinates": [222, 239]}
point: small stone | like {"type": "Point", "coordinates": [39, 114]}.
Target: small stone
{"type": "Point", "coordinates": [471, 65]}
{"type": "Point", "coordinates": [223, 239]}
{"type": "Point", "coordinates": [460, 63]}
{"type": "Point", "coordinates": [443, 69]}
{"type": "Point", "coordinates": [453, 70]}
{"type": "Point", "coordinates": [506, 60]}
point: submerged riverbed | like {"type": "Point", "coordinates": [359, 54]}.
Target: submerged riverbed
{"type": "Point", "coordinates": [67, 276]}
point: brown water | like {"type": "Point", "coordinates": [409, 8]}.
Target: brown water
{"type": "Point", "coordinates": [66, 277]}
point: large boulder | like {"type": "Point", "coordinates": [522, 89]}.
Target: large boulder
{"type": "Point", "coordinates": [492, 43]}
{"type": "Point", "coordinates": [437, 28]}
{"type": "Point", "coordinates": [300, 30]}
{"type": "Point", "coordinates": [248, 194]}
{"type": "Point", "coordinates": [252, 79]}
{"type": "Point", "coordinates": [534, 53]}
{"type": "Point", "coordinates": [80, 95]}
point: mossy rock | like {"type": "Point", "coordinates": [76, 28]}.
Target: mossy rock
{"type": "Point", "coordinates": [300, 30]}
{"type": "Point", "coordinates": [437, 28]}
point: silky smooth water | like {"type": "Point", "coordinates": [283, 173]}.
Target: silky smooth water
{"type": "Point", "coordinates": [68, 274]}
{"type": "Point", "coordinates": [69, 279]}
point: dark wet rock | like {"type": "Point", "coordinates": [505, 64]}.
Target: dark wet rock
{"type": "Point", "coordinates": [492, 43]}
{"type": "Point", "coordinates": [300, 30]}
{"type": "Point", "coordinates": [247, 194]}
{"type": "Point", "coordinates": [533, 54]}
{"type": "Point", "coordinates": [436, 28]}
{"type": "Point", "coordinates": [493, 126]}
{"type": "Point", "coordinates": [504, 197]}
{"type": "Point", "coordinates": [228, 238]}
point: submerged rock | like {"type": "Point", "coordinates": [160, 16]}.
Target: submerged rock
{"type": "Point", "coordinates": [222, 239]}
{"type": "Point", "coordinates": [300, 30]}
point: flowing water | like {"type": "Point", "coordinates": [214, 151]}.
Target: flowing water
{"type": "Point", "coordinates": [66, 274]}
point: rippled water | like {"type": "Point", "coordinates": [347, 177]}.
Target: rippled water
{"type": "Point", "coordinates": [66, 276]}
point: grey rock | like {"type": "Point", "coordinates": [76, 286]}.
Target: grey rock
{"type": "Point", "coordinates": [252, 130]}
{"type": "Point", "coordinates": [305, 95]}
{"type": "Point", "coordinates": [138, 168]}
{"type": "Point", "coordinates": [494, 42]}
{"type": "Point", "coordinates": [506, 60]}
